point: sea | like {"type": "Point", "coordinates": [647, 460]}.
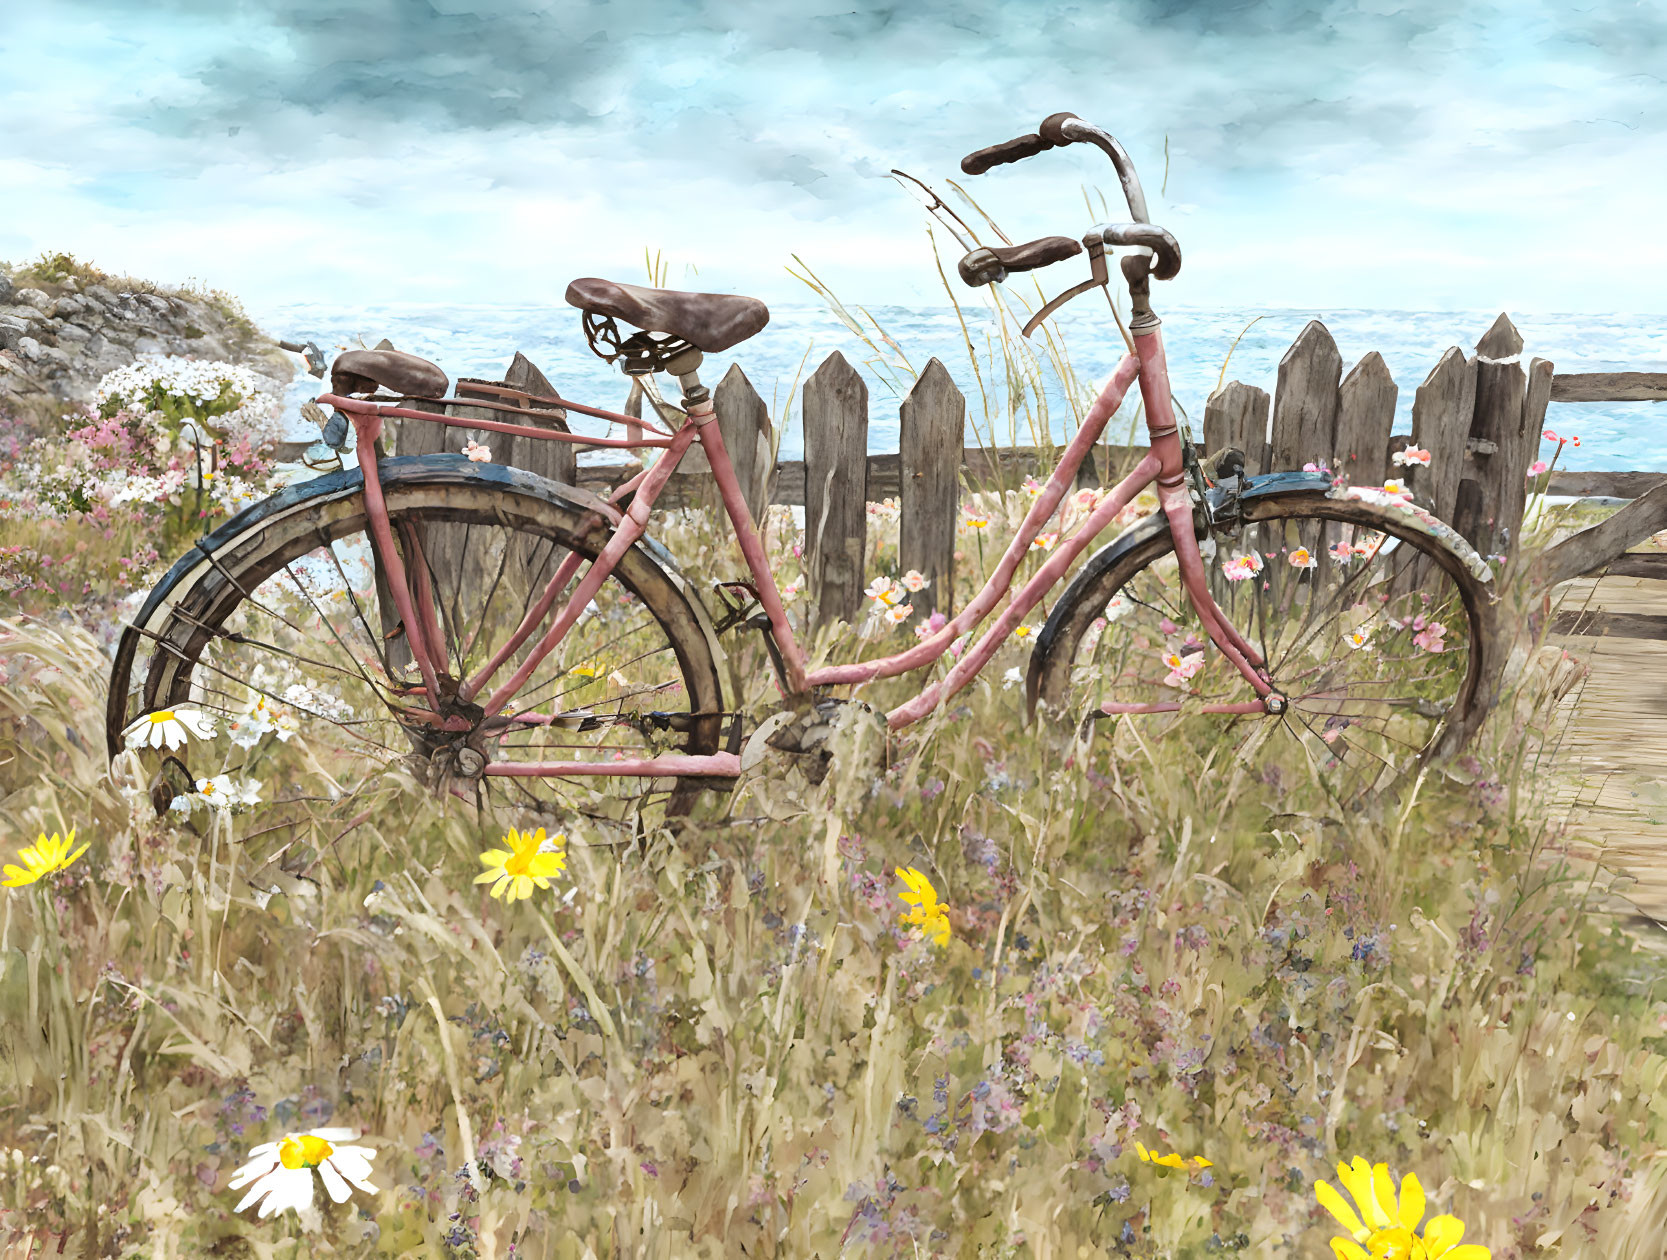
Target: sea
{"type": "Point", "coordinates": [891, 344]}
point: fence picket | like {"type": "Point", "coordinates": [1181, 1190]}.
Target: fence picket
{"type": "Point", "coordinates": [1305, 401]}
{"type": "Point", "coordinates": [835, 414]}
{"type": "Point", "coordinates": [931, 435]}
{"type": "Point", "coordinates": [1494, 425]}
{"type": "Point", "coordinates": [744, 422]}
{"type": "Point", "coordinates": [1237, 415]}
{"type": "Point", "coordinates": [1441, 411]}
{"type": "Point", "coordinates": [1365, 416]}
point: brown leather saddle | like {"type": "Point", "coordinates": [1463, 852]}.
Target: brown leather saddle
{"type": "Point", "coordinates": [361, 371]}
{"type": "Point", "coordinates": [707, 321]}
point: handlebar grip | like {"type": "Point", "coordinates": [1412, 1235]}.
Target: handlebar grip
{"type": "Point", "coordinates": [1007, 151]}
{"type": "Point", "coordinates": [991, 265]}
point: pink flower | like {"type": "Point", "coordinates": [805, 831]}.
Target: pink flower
{"type": "Point", "coordinates": [1536, 468]}
{"type": "Point", "coordinates": [1341, 552]}
{"type": "Point", "coordinates": [1412, 455]}
{"type": "Point", "coordinates": [1430, 637]}
{"type": "Point", "coordinates": [476, 453]}
{"type": "Point", "coordinates": [929, 627]}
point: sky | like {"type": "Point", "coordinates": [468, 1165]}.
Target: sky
{"type": "Point", "coordinates": [1387, 154]}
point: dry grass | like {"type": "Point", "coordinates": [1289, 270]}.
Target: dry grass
{"type": "Point", "coordinates": [723, 1044]}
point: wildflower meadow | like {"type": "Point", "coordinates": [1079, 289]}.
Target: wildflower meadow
{"type": "Point", "coordinates": [987, 988]}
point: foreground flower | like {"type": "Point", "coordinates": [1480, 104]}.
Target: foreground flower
{"type": "Point", "coordinates": [47, 854]}
{"type": "Point", "coordinates": [280, 1173]}
{"type": "Point", "coordinates": [1412, 455]}
{"type": "Point", "coordinates": [1537, 468]}
{"type": "Point", "coordinates": [884, 592]}
{"type": "Point", "coordinates": [1302, 558]}
{"type": "Point", "coordinates": [523, 864]}
{"type": "Point", "coordinates": [928, 914]}
{"type": "Point", "coordinates": [934, 623]}
{"type": "Point", "coordinates": [166, 728]}
{"type": "Point", "coordinates": [1171, 1160]}
{"type": "Point", "coordinates": [1387, 1224]}
{"type": "Point", "coordinates": [219, 793]}
{"type": "Point", "coordinates": [1431, 637]}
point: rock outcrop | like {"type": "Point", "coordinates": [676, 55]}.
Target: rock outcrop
{"type": "Point", "coordinates": [60, 333]}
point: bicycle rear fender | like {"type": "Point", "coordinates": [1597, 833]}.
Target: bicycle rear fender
{"type": "Point", "coordinates": [397, 471]}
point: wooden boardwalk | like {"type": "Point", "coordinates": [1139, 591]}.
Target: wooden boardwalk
{"type": "Point", "coordinates": [1612, 756]}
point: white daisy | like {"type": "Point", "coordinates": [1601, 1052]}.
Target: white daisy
{"type": "Point", "coordinates": [280, 1173]}
{"type": "Point", "coordinates": [166, 728]}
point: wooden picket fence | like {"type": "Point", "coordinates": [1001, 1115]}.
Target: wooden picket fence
{"type": "Point", "coordinates": [1480, 414]}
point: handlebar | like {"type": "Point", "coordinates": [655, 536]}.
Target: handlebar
{"type": "Point", "coordinates": [1055, 132]}
{"type": "Point", "coordinates": [990, 265]}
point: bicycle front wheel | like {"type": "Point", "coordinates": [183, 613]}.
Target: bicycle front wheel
{"type": "Point", "coordinates": [281, 628]}
{"type": "Point", "coordinates": [1371, 617]}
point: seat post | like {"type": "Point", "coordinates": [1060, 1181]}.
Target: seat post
{"type": "Point", "coordinates": [686, 368]}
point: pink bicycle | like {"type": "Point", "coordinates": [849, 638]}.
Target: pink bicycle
{"type": "Point", "coordinates": [523, 637]}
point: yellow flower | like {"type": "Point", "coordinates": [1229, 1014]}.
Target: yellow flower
{"type": "Point", "coordinates": [1171, 1160]}
{"type": "Point", "coordinates": [929, 914]}
{"type": "Point", "coordinates": [47, 854]}
{"type": "Point", "coordinates": [595, 670]}
{"type": "Point", "coordinates": [520, 867]}
{"type": "Point", "coordinates": [1387, 1224]}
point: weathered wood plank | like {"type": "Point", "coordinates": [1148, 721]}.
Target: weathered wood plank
{"type": "Point", "coordinates": [1639, 564]}
{"type": "Point", "coordinates": [932, 425]}
{"type": "Point", "coordinates": [1517, 449]}
{"type": "Point", "coordinates": [555, 460]}
{"type": "Point", "coordinates": [1441, 410]}
{"type": "Point", "coordinates": [1601, 484]}
{"type": "Point", "coordinates": [1305, 401]}
{"type": "Point", "coordinates": [1365, 416]}
{"type": "Point", "coordinates": [1501, 340]}
{"type": "Point", "coordinates": [1609, 387]}
{"type": "Point", "coordinates": [744, 423]}
{"type": "Point", "coordinates": [835, 412]}
{"type": "Point", "coordinates": [1598, 545]}
{"type": "Point", "coordinates": [1501, 385]}
{"type": "Point", "coordinates": [1617, 625]}
{"type": "Point", "coordinates": [1237, 415]}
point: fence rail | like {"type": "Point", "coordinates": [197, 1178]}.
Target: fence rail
{"type": "Point", "coordinates": [1479, 414]}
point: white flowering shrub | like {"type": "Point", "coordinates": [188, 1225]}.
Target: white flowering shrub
{"type": "Point", "coordinates": [177, 443]}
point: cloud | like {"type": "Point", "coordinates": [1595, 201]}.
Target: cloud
{"type": "Point", "coordinates": [482, 148]}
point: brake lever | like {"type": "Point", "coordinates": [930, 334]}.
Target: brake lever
{"type": "Point", "coordinates": [1097, 280]}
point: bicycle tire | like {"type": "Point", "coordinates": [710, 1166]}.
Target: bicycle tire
{"type": "Point", "coordinates": [1065, 685]}
{"type": "Point", "coordinates": [508, 518]}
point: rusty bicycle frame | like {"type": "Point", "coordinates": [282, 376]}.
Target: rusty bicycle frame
{"type": "Point", "coordinates": [1164, 465]}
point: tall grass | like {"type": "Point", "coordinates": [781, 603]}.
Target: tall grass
{"type": "Point", "coordinates": [714, 1038]}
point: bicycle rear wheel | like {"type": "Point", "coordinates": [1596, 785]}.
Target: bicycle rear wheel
{"type": "Point", "coordinates": [280, 627]}
{"type": "Point", "coordinates": [1373, 619]}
